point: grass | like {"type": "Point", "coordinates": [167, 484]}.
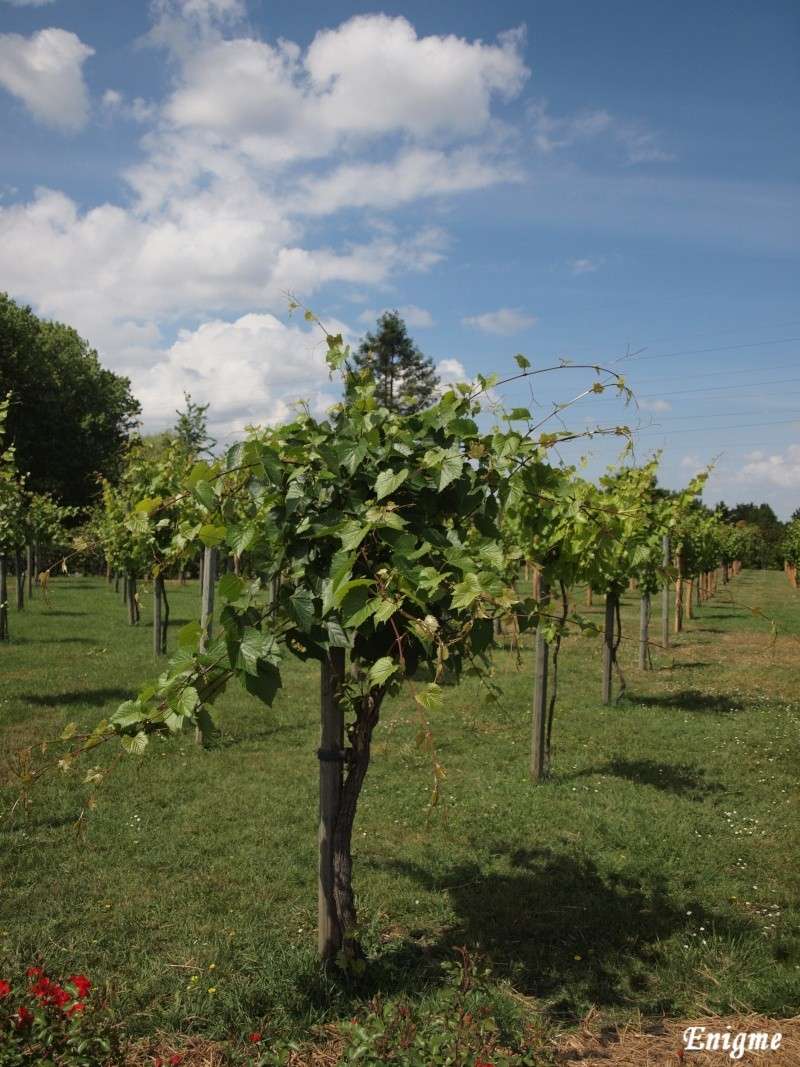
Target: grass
{"type": "Point", "coordinates": [655, 873]}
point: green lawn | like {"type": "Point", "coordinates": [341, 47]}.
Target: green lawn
{"type": "Point", "coordinates": [655, 873]}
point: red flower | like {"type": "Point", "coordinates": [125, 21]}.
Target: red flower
{"type": "Point", "coordinates": [75, 1009]}
{"type": "Point", "coordinates": [5, 988]}
{"type": "Point", "coordinates": [34, 972]}
{"type": "Point", "coordinates": [175, 1059]}
{"type": "Point", "coordinates": [49, 992]}
{"type": "Point", "coordinates": [255, 1037]}
{"type": "Point", "coordinates": [81, 983]}
{"type": "Point", "coordinates": [23, 1017]}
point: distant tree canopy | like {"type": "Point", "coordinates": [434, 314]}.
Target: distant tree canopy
{"type": "Point", "coordinates": [405, 379]}
{"type": "Point", "coordinates": [69, 418]}
{"type": "Point", "coordinates": [767, 553]}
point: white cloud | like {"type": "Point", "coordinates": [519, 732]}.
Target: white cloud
{"type": "Point", "coordinates": [585, 266]}
{"type": "Point", "coordinates": [504, 321]}
{"type": "Point", "coordinates": [138, 109]}
{"type": "Point", "coordinates": [105, 269]}
{"type": "Point", "coordinates": [252, 370]}
{"type": "Point", "coordinates": [220, 215]}
{"type": "Point", "coordinates": [414, 316]}
{"type": "Point", "coordinates": [450, 371]}
{"type": "Point", "coordinates": [655, 405]}
{"type": "Point", "coordinates": [781, 469]}
{"type": "Point", "coordinates": [45, 71]}
{"type": "Point", "coordinates": [370, 77]}
{"type": "Point", "coordinates": [552, 133]}
{"type": "Point", "coordinates": [413, 173]}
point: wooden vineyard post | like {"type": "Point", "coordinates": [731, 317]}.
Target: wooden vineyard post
{"type": "Point", "coordinates": [665, 594]}
{"type": "Point", "coordinates": [29, 567]}
{"type": "Point", "coordinates": [588, 596]}
{"type": "Point", "coordinates": [133, 607]}
{"type": "Point", "coordinates": [687, 599]}
{"type": "Point", "coordinates": [608, 645]}
{"type": "Point", "coordinates": [20, 575]}
{"type": "Point", "coordinates": [644, 626]}
{"type": "Point", "coordinates": [209, 578]}
{"type": "Point", "coordinates": [541, 656]}
{"type": "Point", "coordinates": [679, 595]}
{"type": "Point", "coordinates": [156, 619]}
{"type": "Point", "coordinates": [331, 758]}
{"type": "Point", "coordinates": [160, 616]}
{"type": "Point", "coordinates": [3, 599]}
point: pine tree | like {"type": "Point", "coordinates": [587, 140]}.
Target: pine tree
{"type": "Point", "coordinates": [405, 378]}
{"type": "Point", "coordinates": [191, 427]}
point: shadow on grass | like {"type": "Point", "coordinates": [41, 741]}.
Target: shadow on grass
{"type": "Point", "coordinates": [707, 614]}
{"type": "Point", "coordinates": [684, 666]}
{"type": "Point", "coordinates": [95, 697]}
{"type": "Point", "coordinates": [678, 778]}
{"type": "Point", "coordinates": [689, 700]}
{"type": "Point", "coordinates": [552, 924]}
{"type": "Point", "coordinates": [67, 641]}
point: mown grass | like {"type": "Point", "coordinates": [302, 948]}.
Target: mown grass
{"type": "Point", "coordinates": [655, 872]}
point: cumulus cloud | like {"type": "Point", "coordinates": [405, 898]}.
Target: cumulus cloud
{"type": "Point", "coordinates": [552, 133]}
{"type": "Point", "coordinates": [367, 78]}
{"type": "Point", "coordinates": [254, 143]}
{"type": "Point", "coordinates": [138, 109]}
{"type": "Point", "coordinates": [412, 315]}
{"type": "Point", "coordinates": [254, 369]}
{"type": "Point", "coordinates": [781, 469]}
{"type": "Point", "coordinates": [655, 405]}
{"type": "Point", "coordinates": [45, 72]}
{"type": "Point", "coordinates": [450, 371]}
{"type": "Point", "coordinates": [411, 174]}
{"type": "Point", "coordinates": [504, 321]}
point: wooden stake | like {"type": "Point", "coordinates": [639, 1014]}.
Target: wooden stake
{"type": "Point", "coordinates": [665, 595]}
{"type": "Point", "coordinates": [29, 567]}
{"type": "Point", "coordinates": [679, 596]}
{"type": "Point", "coordinates": [133, 607]}
{"type": "Point", "coordinates": [158, 649]}
{"type": "Point", "coordinates": [331, 757]}
{"type": "Point", "coordinates": [3, 599]}
{"type": "Point", "coordinates": [540, 757]}
{"type": "Point", "coordinates": [20, 580]}
{"type": "Point", "coordinates": [209, 578]}
{"type": "Point", "coordinates": [608, 645]}
{"type": "Point", "coordinates": [644, 637]}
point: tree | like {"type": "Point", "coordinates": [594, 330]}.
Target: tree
{"type": "Point", "coordinates": [405, 380]}
{"type": "Point", "coordinates": [191, 429]}
{"type": "Point", "coordinates": [70, 418]}
{"type": "Point", "coordinates": [767, 552]}
{"type": "Point", "coordinates": [375, 537]}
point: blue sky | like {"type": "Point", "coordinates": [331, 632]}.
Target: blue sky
{"type": "Point", "coordinates": [563, 179]}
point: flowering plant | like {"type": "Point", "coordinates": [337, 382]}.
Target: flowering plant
{"type": "Point", "coordinates": [49, 1020]}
